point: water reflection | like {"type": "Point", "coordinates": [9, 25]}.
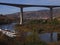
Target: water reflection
{"type": "Point", "coordinates": [58, 36]}
{"type": "Point", "coordinates": [8, 26]}
{"type": "Point", "coordinates": [47, 37]}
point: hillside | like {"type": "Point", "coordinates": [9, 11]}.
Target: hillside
{"type": "Point", "coordinates": [36, 14]}
{"type": "Point", "coordinates": [4, 19]}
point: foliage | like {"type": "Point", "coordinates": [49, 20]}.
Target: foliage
{"type": "Point", "coordinates": [31, 39]}
{"type": "Point", "coordinates": [41, 21]}
{"type": "Point", "coordinates": [5, 20]}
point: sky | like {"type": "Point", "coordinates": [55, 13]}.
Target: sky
{"type": "Point", "coordinates": [9, 9]}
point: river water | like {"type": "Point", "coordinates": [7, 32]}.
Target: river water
{"type": "Point", "coordinates": [46, 37]}
{"type": "Point", "coordinates": [8, 26]}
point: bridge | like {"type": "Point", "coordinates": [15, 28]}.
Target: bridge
{"type": "Point", "coordinates": [21, 6]}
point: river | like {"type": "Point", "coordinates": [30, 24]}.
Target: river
{"type": "Point", "coordinates": [44, 36]}
{"type": "Point", "coordinates": [8, 26]}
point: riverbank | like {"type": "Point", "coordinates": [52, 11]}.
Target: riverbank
{"type": "Point", "coordinates": [38, 27]}
{"type": "Point", "coordinates": [54, 43]}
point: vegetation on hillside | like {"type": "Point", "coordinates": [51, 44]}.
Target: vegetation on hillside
{"type": "Point", "coordinates": [5, 20]}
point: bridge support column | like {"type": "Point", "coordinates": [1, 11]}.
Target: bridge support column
{"type": "Point", "coordinates": [51, 13]}
{"type": "Point", "coordinates": [51, 18]}
{"type": "Point", "coordinates": [21, 16]}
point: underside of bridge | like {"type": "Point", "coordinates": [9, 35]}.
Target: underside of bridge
{"type": "Point", "coordinates": [21, 6]}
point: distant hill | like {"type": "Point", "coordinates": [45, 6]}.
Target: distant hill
{"type": "Point", "coordinates": [36, 14]}
{"type": "Point", "coordinates": [4, 19]}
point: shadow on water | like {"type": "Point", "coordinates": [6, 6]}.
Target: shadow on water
{"type": "Point", "coordinates": [48, 37]}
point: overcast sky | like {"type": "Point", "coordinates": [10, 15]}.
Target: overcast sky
{"type": "Point", "coordinates": [10, 9]}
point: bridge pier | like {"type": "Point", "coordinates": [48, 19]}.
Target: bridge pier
{"type": "Point", "coordinates": [21, 16]}
{"type": "Point", "coordinates": [51, 13]}
{"type": "Point", "coordinates": [51, 18]}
